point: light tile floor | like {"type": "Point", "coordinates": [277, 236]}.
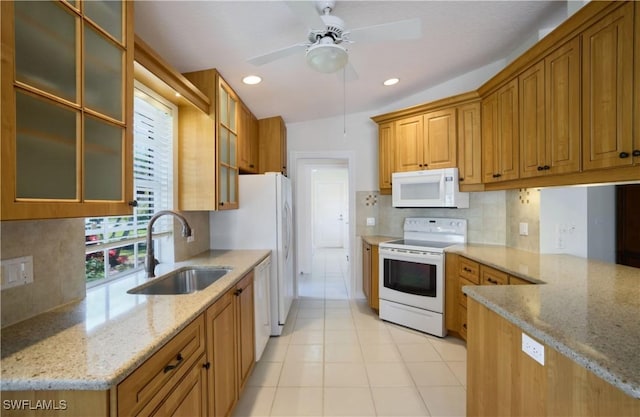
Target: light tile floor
{"type": "Point", "coordinates": [336, 358]}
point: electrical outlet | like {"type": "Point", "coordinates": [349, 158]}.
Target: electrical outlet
{"type": "Point", "coordinates": [524, 229]}
{"type": "Point", "coordinates": [371, 221]}
{"type": "Point", "coordinates": [533, 349]}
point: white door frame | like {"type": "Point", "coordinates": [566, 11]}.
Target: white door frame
{"type": "Point", "coordinates": [297, 162]}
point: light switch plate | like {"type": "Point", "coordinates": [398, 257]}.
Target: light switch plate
{"type": "Point", "coordinates": [371, 221]}
{"type": "Point", "coordinates": [17, 271]}
{"type": "Point", "coordinates": [524, 229]}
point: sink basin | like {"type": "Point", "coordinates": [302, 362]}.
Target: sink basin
{"type": "Point", "coordinates": [182, 281]}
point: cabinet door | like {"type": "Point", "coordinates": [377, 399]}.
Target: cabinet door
{"type": "Point", "coordinates": [386, 156]}
{"type": "Point", "coordinates": [607, 85]}
{"type": "Point", "coordinates": [189, 397]}
{"type": "Point", "coordinates": [221, 352]}
{"type": "Point", "coordinates": [532, 123]}
{"type": "Point", "coordinates": [244, 144]}
{"type": "Point", "coordinates": [490, 137]}
{"type": "Point", "coordinates": [469, 144]}
{"type": "Point", "coordinates": [366, 270]}
{"type": "Point", "coordinates": [508, 144]}
{"type": "Point", "coordinates": [227, 147]}
{"type": "Point", "coordinates": [440, 139]}
{"type": "Point", "coordinates": [409, 144]}
{"type": "Point", "coordinates": [374, 302]}
{"type": "Point", "coordinates": [562, 80]}
{"type": "Point", "coordinates": [67, 136]}
{"type": "Point", "coordinates": [246, 330]}
{"type": "Point", "coordinates": [272, 143]}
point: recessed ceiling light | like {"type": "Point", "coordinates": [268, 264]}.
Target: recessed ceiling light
{"type": "Point", "coordinates": [251, 79]}
{"type": "Point", "coordinates": [391, 81]}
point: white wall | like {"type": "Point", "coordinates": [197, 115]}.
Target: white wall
{"type": "Point", "coordinates": [578, 221]}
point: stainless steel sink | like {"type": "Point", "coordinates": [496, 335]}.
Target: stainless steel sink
{"type": "Point", "coordinates": [182, 281]}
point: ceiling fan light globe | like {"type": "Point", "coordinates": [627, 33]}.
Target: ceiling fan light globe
{"type": "Point", "coordinates": [327, 58]}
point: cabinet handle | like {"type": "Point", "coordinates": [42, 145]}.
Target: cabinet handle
{"type": "Point", "coordinates": [546, 167]}
{"type": "Point", "coordinates": [636, 152]}
{"type": "Point", "coordinates": [179, 359]}
{"type": "Point", "coordinates": [465, 326]}
{"type": "Point", "coordinates": [133, 203]}
{"type": "Point", "coordinates": [492, 281]}
{"type": "Point", "coordinates": [206, 365]}
{"type": "Point", "coordinates": [238, 292]}
{"type": "Point", "coordinates": [497, 175]}
{"type": "Point", "coordinates": [540, 168]}
{"type": "Point", "coordinates": [467, 269]}
{"type": "Point", "coordinates": [460, 179]}
{"type": "Point", "coordinates": [221, 203]}
{"type": "Point", "coordinates": [624, 155]}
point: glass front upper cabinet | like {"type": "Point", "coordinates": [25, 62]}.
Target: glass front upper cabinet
{"type": "Point", "coordinates": [227, 147]}
{"type": "Point", "coordinates": [68, 88]}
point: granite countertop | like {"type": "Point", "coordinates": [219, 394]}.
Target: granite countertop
{"type": "Point", "coordinates": [587, 310]}
{"type": "Point", "coordinates": [96, 343]}
{"type": "Point", "coordinates": [376, 240]}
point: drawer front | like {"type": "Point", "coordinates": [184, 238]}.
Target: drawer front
{"type": "Point", "coordinates": [518, 281]}
{"type": "Point", "coordinates": [157, 376]}
{"type": "Point", "coordinates": [490, 276]}
{"type": "Point", "coordinates": [469, 269]}
{"type": "Point", "coordinates": [462, 297]}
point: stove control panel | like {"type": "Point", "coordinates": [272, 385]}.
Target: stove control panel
{"type": "Point", "coordinates": [436, 225]}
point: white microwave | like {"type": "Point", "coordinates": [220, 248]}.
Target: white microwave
{"type": "Point", "coordinates": [428, 188]}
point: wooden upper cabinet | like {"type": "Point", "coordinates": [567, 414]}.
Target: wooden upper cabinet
{"type": "Point", "coordinates": [409, 144]}
{"type": "Point", "coordinates": [67, 109]}
{"type": "Point", "coordinates": [386, 155]}
{"type": "Point", "coordinates": [272, 145]}
{"type": "Point", "coordinates": [607, 90]}
{"type": "Point", "coordinates": [469, 144]}
{"type": "Point", "coordinates": [562, 99]}
{"type": "Point", "coordinates": [500, 134]}
{"type": "Point", "coordinates": [426, 141]}
{"type": "Point", "coordinates": [533, 153]}
{"type": "Point", "coordinates": [440, 139]}
{"type": "Point", "coordinates": [247, 141]}
{"type": "Point", "coordinates": [208, 147]}
{"type": "Point", "coordinates": [636, 105]}
{"type": "Point", "coordinates": [549, 122]}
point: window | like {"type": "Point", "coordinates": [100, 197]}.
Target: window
{"type": "Point", "coordinates": [116, 245]}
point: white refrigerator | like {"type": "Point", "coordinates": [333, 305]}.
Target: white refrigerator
{"type": "Point", "coordinates": [263, 221]}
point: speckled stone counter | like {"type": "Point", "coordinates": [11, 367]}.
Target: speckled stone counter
{"type": "Point", "coordinates": [587, 310]}
{"type": "Point", "coordinates": [376, 240]}
{"type": "Point", "coordinates": [96, 343]}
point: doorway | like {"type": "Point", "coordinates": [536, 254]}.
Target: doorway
{"type": "Point", "coordinates": [324, 223]}
{"type": "Point", "coordinates": [628, 225]}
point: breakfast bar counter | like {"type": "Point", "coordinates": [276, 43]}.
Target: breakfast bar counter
{"type": "Point", "coordinates": [587, 310]}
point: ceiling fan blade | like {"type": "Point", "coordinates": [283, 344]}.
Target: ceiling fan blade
{"type": "Point", "coordinates": [306, 11]}
{"type": "Point", "coordinates": [394, 31]}
{"type": "Point", "coordinates": [275, 55]}
{"type": "Point", "coordinates": [348, 74]}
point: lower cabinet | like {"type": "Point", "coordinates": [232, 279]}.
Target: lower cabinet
{"type": "Point", "coordinates": [202, 370]}
{"type": "Point", "coordinates": [370, 276]}
{"type": "Point", "coordinates": [461, 272]}
{"type": "Point", "coordinates": [230, 346]}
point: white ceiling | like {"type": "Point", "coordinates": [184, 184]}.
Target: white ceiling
{"type": "Point", "coordinates": [458, 36]}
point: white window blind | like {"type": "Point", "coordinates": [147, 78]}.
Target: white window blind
{"type": "Point", "coordinates": [115, 245]}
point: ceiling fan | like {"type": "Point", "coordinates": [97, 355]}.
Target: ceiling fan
{"type": "Point", "coordinates": [327, 37]}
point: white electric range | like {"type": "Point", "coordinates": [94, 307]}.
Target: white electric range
{"type": "Point", "coordinates": [412, 273]}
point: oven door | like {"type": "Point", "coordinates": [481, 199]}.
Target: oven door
{"type": "Point", "coordinates": [412, 278]}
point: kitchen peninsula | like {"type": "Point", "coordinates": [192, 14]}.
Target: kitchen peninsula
{"type": "Point", "coordinates": [586, 314]}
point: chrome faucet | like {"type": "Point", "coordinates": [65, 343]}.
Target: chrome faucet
{"type": "Point", "coordinates": [150, 260]}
